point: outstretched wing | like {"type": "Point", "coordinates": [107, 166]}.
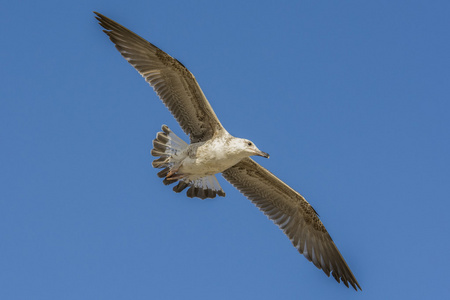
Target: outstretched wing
{"type": "Point", "coordinates": [293, 214]}
{"type": "Point", "coordinates": [174, 84]}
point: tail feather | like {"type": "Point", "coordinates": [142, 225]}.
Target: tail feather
{"type": "Point", "coordinates": [166, 146]}
{"type": "Point", "coordinates": [168, 181]}
{"type": "Point", "coordinates": [180, 186]}
{"type": "Point", "coordinates": [205, 187]}
{"type": "Point", "coordinates": [163, 173]}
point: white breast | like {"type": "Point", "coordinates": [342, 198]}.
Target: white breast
{"type": "Point", "coordinates": [210, 158]}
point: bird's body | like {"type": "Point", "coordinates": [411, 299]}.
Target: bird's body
{"type": "Point", "coordinates": [213, 150]}
{"type": "Point", "coordinates": [213, 156]}
{"type": "Point", "coordinates": [196, 164]}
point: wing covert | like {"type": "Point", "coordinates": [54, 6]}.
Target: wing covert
{"type": "Point", "coordinates": [172, 81]}
{"type": "Point", "coordinates": [293, 214]}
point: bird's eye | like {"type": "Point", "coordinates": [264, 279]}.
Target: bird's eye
{"type": "Point", "coordinates": [249, 143]}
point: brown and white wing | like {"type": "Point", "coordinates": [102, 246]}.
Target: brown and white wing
{"type": "Point", "coordinates": [293, 214]}
{"type": "Point", "coordinates": [174, 84]}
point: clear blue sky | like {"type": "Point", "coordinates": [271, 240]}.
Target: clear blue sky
{"type": "Point", "coordinates": [350, 98]}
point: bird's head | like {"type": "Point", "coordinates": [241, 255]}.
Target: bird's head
{"type": "Point", "coordinates": [248, 148]}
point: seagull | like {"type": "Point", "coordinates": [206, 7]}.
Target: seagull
{"type": "Point", "coordinates": [213, 150]}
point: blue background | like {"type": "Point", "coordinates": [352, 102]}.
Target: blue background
{"type": "Point", "coordinates": [350, 98]}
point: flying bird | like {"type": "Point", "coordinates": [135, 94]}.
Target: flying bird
{"type": "Point", "coordinates": [213, 150]}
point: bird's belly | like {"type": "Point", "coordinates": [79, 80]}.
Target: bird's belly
{"type": "Point", "coordinates": [199, 166]}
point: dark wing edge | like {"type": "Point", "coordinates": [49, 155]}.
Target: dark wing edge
{"type": "Point", "coordinates": [293, 214]}
{"type": "Point", "coordinates": [172, 81]}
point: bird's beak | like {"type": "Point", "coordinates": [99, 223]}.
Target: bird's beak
{"type": "Point", "coordinates": [263, 154]}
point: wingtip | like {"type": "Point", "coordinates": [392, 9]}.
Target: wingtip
{"type": "Point", "coordinates": [97, 15]}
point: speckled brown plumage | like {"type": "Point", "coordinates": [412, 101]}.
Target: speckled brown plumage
{"type": "Point", "coordinates": [293, 214]}
{"type": "Point", "coordinates": [174, 84]}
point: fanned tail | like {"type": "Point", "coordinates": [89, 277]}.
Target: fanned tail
{"type": "Point", "coordinates": [167, 146]}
